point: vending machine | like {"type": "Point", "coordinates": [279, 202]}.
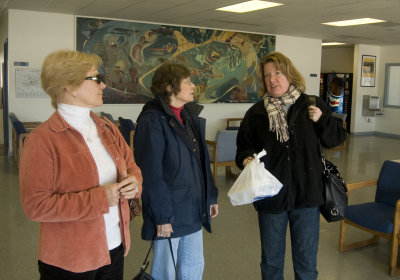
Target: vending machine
{"type": "Point", "coordinates": [336, 91]}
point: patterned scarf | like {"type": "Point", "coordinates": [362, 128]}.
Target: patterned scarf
{"type": "Point", "coordinates": [276, 114]}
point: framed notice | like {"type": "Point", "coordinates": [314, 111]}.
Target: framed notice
{"type": "Point", "coordinates": [368, 65]}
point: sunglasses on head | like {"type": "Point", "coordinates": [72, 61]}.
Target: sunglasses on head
{"type": "Point", "coordinates": [98, 79]}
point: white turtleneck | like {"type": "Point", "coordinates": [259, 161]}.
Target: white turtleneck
{"type": "Point", "coordinates": [79, 118]}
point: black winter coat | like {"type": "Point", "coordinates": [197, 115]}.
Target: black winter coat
{"type": "Point", "coordinates": [295, 163]}
{"type": "Point", "coordinates": [178, 187]}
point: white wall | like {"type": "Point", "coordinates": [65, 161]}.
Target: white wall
{"type": "Point", "coordinates": [389, 122]}
{"type": "Point", "coordinates": [359, 123]}
{"type": "Point", "coordinates": [337, 60]}
{"type": "Point", "coordinates": [3, 37]}
{"type": "Point", "coordinates": [33, 35]}
{"type": "Point", "coordinates": [305, 55]}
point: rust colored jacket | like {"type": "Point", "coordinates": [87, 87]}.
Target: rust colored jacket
{"type": "Point", "coordinates": [60, 189]}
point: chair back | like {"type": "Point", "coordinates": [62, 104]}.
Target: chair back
{"type": "Point", "coordinates": [126, 126]}
{"type": "Point", "coordinates": [108, 116]}
{"type": "Point", "coordinates": [226, 140]}
{"type": "Point", "coordinates": [18, 126]}
{"type": "Point", "coordinates": [388, 187]}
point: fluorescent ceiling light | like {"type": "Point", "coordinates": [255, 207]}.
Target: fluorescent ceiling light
{"type": "Point", "coordinates": [332, 44]}
{"type": "Point", "coordinates": [249, 6]}
{"type": "Point", "coordinates": [354, 22]}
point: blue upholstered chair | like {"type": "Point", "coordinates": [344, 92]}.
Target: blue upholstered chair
{"type": "Point", "coordinates": [381, 218]}
{"type": "Point", "coordinates": [127, 128]}
{"type": "Point", "coordinates": [107, 115]}
{"type": "Point", "coordinates": [19, 131]}
{"type": "Point", "coordinates": [222, 151]}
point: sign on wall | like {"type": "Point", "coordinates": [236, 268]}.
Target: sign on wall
{"type": "Point", "coordinates": [223, 64]}
{"type": "Point", "coordinates": [27, 83]}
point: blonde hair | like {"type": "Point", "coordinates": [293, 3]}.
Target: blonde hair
{"type": "Point", "coordinates": [285, 65]}
{"type": "Point", "coordinates": [64, 68]}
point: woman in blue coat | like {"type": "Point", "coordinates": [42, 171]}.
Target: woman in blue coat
{"type": "Point", "coordinates": [179, 195]}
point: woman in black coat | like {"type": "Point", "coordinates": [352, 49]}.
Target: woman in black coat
{"type": "Point", "coordinates": [179, 195]}
{"type": "Point", "coordinates": [289, 128]}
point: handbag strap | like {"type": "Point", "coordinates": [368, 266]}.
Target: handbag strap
{"type": "Point", "coordinates": [145, 262]}
{"type": "Point", "coordinates": [323, 158]}
{"type": "Point", "coordinates": [172, 255]}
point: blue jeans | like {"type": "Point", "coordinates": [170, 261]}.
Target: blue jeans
{"type": "Point", "coordinates": [304, 235]}
{"type": "Point", "coordinates": [188, 253]}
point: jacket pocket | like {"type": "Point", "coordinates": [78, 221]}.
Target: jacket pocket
{"type": "Point", "coordinates": [183, 205]}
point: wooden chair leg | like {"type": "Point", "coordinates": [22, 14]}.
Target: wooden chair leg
{"type": "Point", "coordinates": [393, 269]}
{"type": "Point", "coordinates": [215, 172]}
{"type": "Point", "coordinates": [230, 173]}
{"type": "Point", "coordinates": [343, 247]}
{"type": "Point", "coordinates": [342, 237]}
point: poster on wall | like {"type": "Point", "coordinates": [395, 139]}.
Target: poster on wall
{"type": "Point", "coordinates": [27, 83]}
{"type": "Point", "coordinates": [223, 64]}
{"type": "Point", "coordinates": [368, 70]}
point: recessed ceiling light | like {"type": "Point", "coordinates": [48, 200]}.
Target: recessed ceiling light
{"type": "Point", "coordinates": [354, 22]}
{"type": "Point", "coordinates": [249, 6]}
{"type": "Point", "coordinates": [332, 44]}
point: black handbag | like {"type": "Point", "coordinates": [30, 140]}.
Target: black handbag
{"type": "Point", "coordinates": [334, 193]}
{"type": "Point", "coordinates": [143, 275]}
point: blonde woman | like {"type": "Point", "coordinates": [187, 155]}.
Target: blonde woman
{"type": "Point", "coordinates": [76, 174]}
{"type": "Point", "coordinates": [289, 128]}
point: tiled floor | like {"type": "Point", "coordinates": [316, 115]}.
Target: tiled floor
{"type": "Point", "coordinates": [232, 251]}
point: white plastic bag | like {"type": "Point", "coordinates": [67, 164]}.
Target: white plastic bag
{"type": "Point", "coordinates": [254, 183]}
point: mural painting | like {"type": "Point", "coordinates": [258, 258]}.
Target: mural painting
{"type": "Point", "coordinates": [223, 64]}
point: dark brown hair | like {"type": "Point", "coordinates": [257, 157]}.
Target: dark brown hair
{"type": "Point", "coordinates": [168, 74]}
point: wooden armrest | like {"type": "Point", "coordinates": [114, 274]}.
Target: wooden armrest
{"type": "Point", "coordinates": [21, 140]}
{"type": "Point", "coordinates": [233, 120]}
{"type": "Point", "coordinates": [214, 146]}
{"type": "Point", "coordinates": [362, 184]}
{"type": "Point", "coordinates": [30, 125]}
{"type": "Point", "coordinates": [212, 143]}
{"type": "Point", "coordinates": [131, 137]}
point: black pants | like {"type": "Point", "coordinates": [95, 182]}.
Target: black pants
{"type": "Point", "coordinates": [113, 271]}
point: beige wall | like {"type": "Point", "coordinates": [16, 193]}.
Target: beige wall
{"type": "Point", "coordinates": [337, 59]}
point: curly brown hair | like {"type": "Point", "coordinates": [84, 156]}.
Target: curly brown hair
{"type": "Point", "coordinates": [167, 80]}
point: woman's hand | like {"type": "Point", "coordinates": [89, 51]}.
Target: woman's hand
{"type": "Point", "coordinates": [214, 210]}
{"type": "Point", "coordinates": [164, 230]}
{"type": "Point", "coordinates": [113, 193]}
{"type": "Point", "coordinates": [129, 187]}
{"type": "Point", "coordinates": [247, 160]}
{"type": "Point", "coordinates": [314, 113]}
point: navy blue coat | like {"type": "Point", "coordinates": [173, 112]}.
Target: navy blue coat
{"type": "Point", "coordinates": [177, 182]}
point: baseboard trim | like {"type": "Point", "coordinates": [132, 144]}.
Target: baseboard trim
{"type": "Point", "coordinates": [376, 133]}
